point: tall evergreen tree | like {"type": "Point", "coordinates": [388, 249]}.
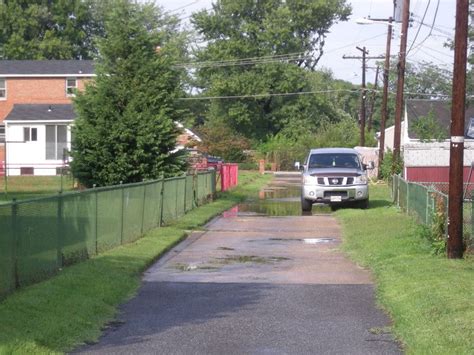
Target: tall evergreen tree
{"type": "Point", "coordinates": [125, 130]}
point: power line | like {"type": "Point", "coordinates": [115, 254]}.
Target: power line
{"type": "Point", "coordinates": [419, 27]}
{"type": "Point", "coordinates": [432, 27]}
{"type": "Point", "coordinates": [347, 91]}
{"type": "Point", "coordinates": [183, 7]}
{"type": "Point", "coordinates": [244, 61]}
{"type": "Point", "coordinates": [267, 95]}
{"type": "Point", "coordinates": [355, 43]}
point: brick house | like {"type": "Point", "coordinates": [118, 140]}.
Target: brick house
{"type": "Point", "coordinates": [35, 111]}
{"type": "Point", "coordinates": [36, 114]}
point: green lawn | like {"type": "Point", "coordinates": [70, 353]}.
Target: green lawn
{"type": "Point", "coordinates": [429, 298]}
{"type": "Point", "coordinates": [23, 187]}
{"type": "Point", "coordinates": [72, 308]}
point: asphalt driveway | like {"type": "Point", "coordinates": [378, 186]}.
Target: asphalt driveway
{"type": "Point", "coordinates": [253, 284]}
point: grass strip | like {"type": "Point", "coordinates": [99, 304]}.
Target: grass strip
{"type": "Point", "coordinates": [73, 307]}
{"type": "Point", "coordinates": [429, 297]}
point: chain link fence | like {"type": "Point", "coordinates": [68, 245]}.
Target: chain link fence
{"type": "Point", "coordinates": [40, 236]}
{"type": "Point", "coordinates": [421, 199]}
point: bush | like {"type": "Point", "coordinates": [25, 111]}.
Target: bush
{"type": "Point", "coordinates": [386, 166]}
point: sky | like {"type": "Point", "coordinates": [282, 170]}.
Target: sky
{"type": "Point", "coordinates": [428, 39]}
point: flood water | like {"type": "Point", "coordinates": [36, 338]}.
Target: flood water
{"type": "Point", "coordinates": [282, 197]}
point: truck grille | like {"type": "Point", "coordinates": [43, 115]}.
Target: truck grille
{"type": "Point", "coordinates": [335, 181]}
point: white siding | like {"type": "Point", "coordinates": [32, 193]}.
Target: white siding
{"type": "Point", "coordinates": [30, 154]}
{"type": "Point", "coordinates": [434, 154]}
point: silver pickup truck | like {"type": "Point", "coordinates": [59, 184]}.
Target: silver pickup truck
{"type": "Point", "coordinates": [334, 176]}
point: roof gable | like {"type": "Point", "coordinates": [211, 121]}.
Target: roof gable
{"type": "Point", "coordinates": [41, 112]}
{"type": "Point", "coordinates": [441, 110]}
{"type": "Point", "coordinates": [46, 67]}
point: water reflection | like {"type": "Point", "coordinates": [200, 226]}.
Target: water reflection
{"type": "Point", "coordinates": [277, 199]}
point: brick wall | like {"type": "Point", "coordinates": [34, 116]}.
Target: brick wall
{"type": "Point", "coordinates": [35, 91]}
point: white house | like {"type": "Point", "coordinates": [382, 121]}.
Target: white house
{"type": "Point", "coordinates": [427, 160]}
{"type": "Point", "coordinates": [37, 136]}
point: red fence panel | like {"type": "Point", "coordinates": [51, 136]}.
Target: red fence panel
{"type": "Point", "coordinates": [229, 176]}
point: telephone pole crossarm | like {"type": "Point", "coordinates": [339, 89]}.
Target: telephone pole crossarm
{"type": "Point", "coordinates": [363, 93]}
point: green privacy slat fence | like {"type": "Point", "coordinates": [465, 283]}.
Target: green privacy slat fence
{"type": "Point", "coordinates": [37, 237]}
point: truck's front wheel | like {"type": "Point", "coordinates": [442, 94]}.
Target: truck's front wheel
{"type": "Point", "coordinates": [306, 205]}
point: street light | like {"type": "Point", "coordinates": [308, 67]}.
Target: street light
{"type": "Point", "coordinates": [370, 21]}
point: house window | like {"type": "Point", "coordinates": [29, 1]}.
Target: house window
{"type": "Point", "coordinates": [71, 86]}
{"type": "Point", "coordinates": [3, 89]}
{"type": "Point", "coordinates": [2, 133]}
{"type": "Point", "coordinates": [27, 170]}
{"type": "Point", "coordinates": [470, 128]}
{"type": "Point", "coordinates": [56, 141]}
{"type": "Point", "coordinates": [30, 134]}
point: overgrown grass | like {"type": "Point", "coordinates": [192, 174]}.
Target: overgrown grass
{"type": "Point", "coordinates": [429, 298]}
{"type": "Point", "coordinates": [73, 307]}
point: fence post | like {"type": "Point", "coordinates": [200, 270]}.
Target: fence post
{"type": "Point", "coordinates": [96, 220]}
{"type": "Point", "coordinates": [195, 190]}
{"type": "Point", "coordinates": [427, 205]}
{"type": "Point", "coordinates": [59, 247]}
{"type": "Point", "coordinates": [408, 196]}
{"type": "Point", "coordinates": [398, 191]}
{"type": "Point", "coordinates": [122, 212]}
{"type": "Point", "coordinates": [162, 204]}
{"type": "Point", "coordinates": [176, 196]}
{"type": "Point", "coordinates": [185, 188]}
{"type": "Point", "coordinates": [16, 243]}
{"type": "Point", "coordinates": [143, 207]}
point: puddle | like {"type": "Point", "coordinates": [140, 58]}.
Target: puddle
{"type": "Point", "coordinates": [280, 198]}
{"type": "Point", "coordinates": [242, 259]}
{"type": "Point", "coordinates": [318, 240]}
{"type": "Point", "coordinates": [217, 263]}
{"type": "Point", "coordinates": [192, 267]}
{"type": "Point", "coordinates": [297, 240]}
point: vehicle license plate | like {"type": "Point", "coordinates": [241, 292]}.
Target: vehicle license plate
{"type": "Point", "coordinates": [336, 198]}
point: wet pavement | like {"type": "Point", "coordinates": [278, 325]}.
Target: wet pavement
{"type": "Point", "coordinates": [261, 279]}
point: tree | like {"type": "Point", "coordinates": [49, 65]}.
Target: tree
{"type": "Point", "coordinates": [221, 141]}
{"type": "Point", "coordinates": [428, 128]}
{"type": "Point", "coordinates": [424, 80]}
{"type": "Point", "coordinates": [271, 32]}
{"type": "Point", "coordinates": [125, 130]}
{"type": "Point", "coordinates": [55, 29]}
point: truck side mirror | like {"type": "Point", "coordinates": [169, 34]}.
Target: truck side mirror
{"type": "Point", "coordinates": [369, 166]}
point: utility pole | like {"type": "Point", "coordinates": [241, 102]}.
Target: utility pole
{"type": "Point", "coordinates": [386, 70]}
{"type": "Point", "coordinates": [400, 84]}
{"type": "Point", "coordinates": [363, 98]}
{"type": "Point", "coordinates": [364, 58]}
{"type": "Point", "coordinates": [372, 100]}
{"type": "Point", "coordinates": [456, 164]}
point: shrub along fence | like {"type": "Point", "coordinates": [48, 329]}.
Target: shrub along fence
{"type": "Point", "coordinates": [428, 201]}
{"type": "Point", "coordinates": [40, 236]}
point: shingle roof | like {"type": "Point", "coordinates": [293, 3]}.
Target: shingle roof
{"type": "Point", "coordinates": [41, 112]}
{"type": "Point", "coordinates": [45, 67]}
{"type": "Point", "coordinates": [418, 109]}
